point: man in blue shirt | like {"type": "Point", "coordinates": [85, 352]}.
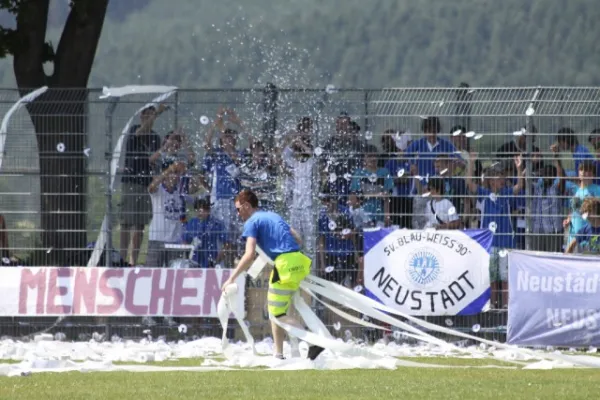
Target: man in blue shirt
{"type": "Point", "coordinates": [281, 244]}
{"type": "Point", "coordinates": [209, 232]}
{"type": "Point", "coordinates": [567, 141]}
{"type": "Point", "coordinates": [424, 151]}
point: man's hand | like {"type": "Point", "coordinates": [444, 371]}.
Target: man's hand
{"type": "Point", "coordinates": [228, 282]}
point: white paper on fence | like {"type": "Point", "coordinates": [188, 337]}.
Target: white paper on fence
{"type": "Point", "coordinates": [6, 119]}
{"type": "Point", "coordinates": [116, 156]}
{"type": "Point", "coordinates": [49, 291]}
{"type": "Point", "coordinates": [135, 89]}
{"type": "Point", "coordinates": [450, 266]}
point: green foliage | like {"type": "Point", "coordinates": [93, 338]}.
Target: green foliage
{"type": "Point", "coordinates": [351, 43]}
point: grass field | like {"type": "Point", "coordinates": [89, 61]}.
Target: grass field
{"type": "Point", "coordinates": [404, 383]}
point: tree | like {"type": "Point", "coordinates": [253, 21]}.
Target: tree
{"type": "Point", "coordinates": [59, 115]}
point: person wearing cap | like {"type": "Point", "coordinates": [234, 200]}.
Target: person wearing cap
{"type": "Point", "coordinates": [579, 192]}
{"type": "Point", "coordinates": [282, 244]}
{"type": "Point", "coordinates": [337, 240]}
{"type": "Point", "coordinates": [209, 234]}
{"type": "Point", "coordinates": [497, 204]}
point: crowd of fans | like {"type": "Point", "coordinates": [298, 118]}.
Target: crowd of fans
{"type": "Point", "coordinates": [332, 191]}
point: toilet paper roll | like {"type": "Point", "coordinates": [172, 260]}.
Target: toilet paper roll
{"type": "Point", "coordinates": [144, 357]}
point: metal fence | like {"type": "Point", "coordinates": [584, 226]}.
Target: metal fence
{"type": "Point", "coordinates": [55, 190]}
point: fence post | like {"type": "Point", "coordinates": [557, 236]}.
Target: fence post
{"type": "Point", "coordinates": [463, 106]}
{"type": "Point", "coordinates": [110, 109]}
{"type": "Point", "coordinates": [269, 114]}
{"type": "Point", "coordinates": [176, 111]}
{"type": "Point", "coordinates": [366, 118]}
{"type": "Point", "coordinates": [529, 170]}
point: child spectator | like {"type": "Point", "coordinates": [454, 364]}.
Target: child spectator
{"type": "Point", "coordinates": [547, 207]}
{"type": "Point", "coordinates": [375, 184]}
{"type": "Point", "coordinates": [587, 239]}
{"type": "Point", "coordinates": [209, 234]}
{"type": "Point", "coordinates": [440, 212]}
{"type": "Point", "coordinates": [401, 202]}
{"type": "Point", "coordinates": [497, 203]}
{"type": "Point", "coordinates": [337, 241]}
{"type": "Point", "coordinates": [578, 193]}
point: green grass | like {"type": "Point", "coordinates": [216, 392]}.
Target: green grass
{"type": "Point", "coordinates": [405, 383]}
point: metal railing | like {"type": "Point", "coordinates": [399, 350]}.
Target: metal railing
{"type": "Point", "coordinates": [55, 177]}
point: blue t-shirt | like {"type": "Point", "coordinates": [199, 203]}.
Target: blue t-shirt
{"type": "Point", "coordinates": [212, 235]}
{"type": "Point", "coordinates": [427, 157]}
{"type": "Point", "coordinates": [371, 183]}
{"type": "Point", "coordinates": [393, 166]}
{"type": "Point", "coordinates": [498, 210]}
{"type": "Point", "coordinates": [580, 154]}
{"type": "Point", "coordinates": [217, 163]}
{"type": "Point", "coordinates": [588, 238]}
{"type": "Point", "coordinates": [334, 243]}
{"type": "Point", "coordinates": [272, 233]}
{"type": "Point", "coordinates": [578, 194]}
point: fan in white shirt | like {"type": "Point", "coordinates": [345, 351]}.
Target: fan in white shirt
{"type": "Point", "coordinates": [440, 213]}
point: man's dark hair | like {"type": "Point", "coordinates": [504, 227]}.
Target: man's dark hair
{"type": "Point", "coordinates": [202, 204]}
{"type": "Point", "coordinates": [431, 125]}
{"type": "Point", "coordinates": [595, 132]}
{"type": "Point", "coordinates": [247, 196]}
{"type": "Point", "coordinates": [567, 135]}
{"type": "Point", "coordinates": [437, 184]}
{"type": "Point", "coordinates": [587, 166]}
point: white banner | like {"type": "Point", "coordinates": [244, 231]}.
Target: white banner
{"type": "Point", "coordinates": [426, 273]}
{"type": "Point", "coordinates": [116, 292]}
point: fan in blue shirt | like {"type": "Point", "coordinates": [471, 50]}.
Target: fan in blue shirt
{"type": "Point", "coordinates": [210, 235]}
{"type": "Point", "coordinates": [588, 237]}
{"type": "Point", "coordinates": [567, 141]}
{"type": "Point", "coordinates": [498, 201]}
{"type": "Point", "coordinates": [222, 164]}
{"type": "Point", "coordinates": [578, 193]}
{"type": "Point", "coordinates": [424, 151]}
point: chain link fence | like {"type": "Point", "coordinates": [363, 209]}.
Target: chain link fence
{"type": "Point", "coordinates": [349, 134]}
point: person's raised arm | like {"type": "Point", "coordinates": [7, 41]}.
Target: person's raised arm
{"type": "Point", "coordinates": [471, 185]}
{"type": "Point", "coordinates": [296, 236]}
{"type": "Point", "coordinates": [520, 175]}
{"type": "Point", "coordinates": [571, 247]}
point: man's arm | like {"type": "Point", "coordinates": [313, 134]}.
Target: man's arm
{"type": "Point", "coordinates": [246, 260]}
{"type": "Point", "coordinates": [571, 248]}
{"type": "Point", "coordinates": [296, 236]}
